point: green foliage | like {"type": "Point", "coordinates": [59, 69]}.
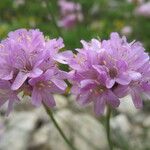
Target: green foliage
{"type": "Point", "coordinates": [100, 18]}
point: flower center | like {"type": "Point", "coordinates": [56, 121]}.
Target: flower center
{"type": "Point", "coordinates": [113, 72]}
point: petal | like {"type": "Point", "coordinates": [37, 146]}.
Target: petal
{"type": "Point", "coordinates": [19, 80]}
{"type": "Point", "coordinates": [87, 85]}
{"type": "Point", "coordinates": [110, 83]}
{"type": "Point", "coordinates": [99, 68]}
{"type": "Point", "coordinates": [48, 99]}
{"type": "Point", "coordinates": [8, 76]}
{"type": "Point", "coordinates": [134, 75]}
{"type": "Point", "coordinates": [62, 74]}
{"type": "Point", "coordinates": [86, 82]}
{"type": "Point", "coordinates": [64, 57]}
{"type": "Point", "coordinates": [146, 87]}
{"type": "Point", "coordinates": [112, 99]}
{"type": "Point", "coordinates": [102, 72]}
{"type": "Point", "coordinates": [36, 97]}
{"type": "Point", "coordinates": [123, 79]}
{"type": "Point", "coordinates": [121, 91]}
{"type": "Point", "coordinates": [75, 89]}
{"type": "Point", "coordinates": [137, 99]}
{"type": "Point", "coordinates": [49, 74]}
{"type": "Point", "coordinates": [59, 83]}
{"type": "Point", "coordinates": [35, 73]}
{"type": "Point", "coordinates": [121, 65]}
{"type": "Point", "coordinates": [99, 106]}
{"type": "Point", "coordinates": [84, 99]}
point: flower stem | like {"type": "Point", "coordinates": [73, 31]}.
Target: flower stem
{"type": "Point", "coordinates": [108, 115]}
{"type": "Point", "coordinates": [50, 114]}
{"type": "Point", "coordinates": [50, 8]}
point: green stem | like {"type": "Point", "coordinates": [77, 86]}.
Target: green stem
{"type": "Point", "coordinates": [108, 115]}
{"type": "Point", "coordinates": [50, 9]}
{"type": "Point", "coordinates": [50, 114]}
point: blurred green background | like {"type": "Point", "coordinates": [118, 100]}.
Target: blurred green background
{"type": "Point", "coordinates": [100, 18]}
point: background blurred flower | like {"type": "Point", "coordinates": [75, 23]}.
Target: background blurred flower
{"type": "Point", "coordinates": [71, 13]}
{"type": "Point", "coordinates": [127, 30]}
{"type": "Point", "coordinates": [143, 10]}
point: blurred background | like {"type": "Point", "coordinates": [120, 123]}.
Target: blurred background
{"type": "Point", "coordinates": [29, 128]}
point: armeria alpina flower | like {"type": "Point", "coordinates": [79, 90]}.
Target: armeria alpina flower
{"type": "Point", "coordinates": [70, 13]}
{"type": "Point", "coordinates": [25, 49]}
{"type": "Point", "coordinates": [127, 30]}
{"type": "Point", "coordinates": [27, 63]}
{"type": "Point", "coordinates": [136, 59]}
{"type": "Point", "coordinates": [143, 10]}
{"type": "Point", "coordinates": [6, 94]}
{"type": "Point", "coordinates": [45, 85]}
{"type": "Point", "coordinates": [103, 72]}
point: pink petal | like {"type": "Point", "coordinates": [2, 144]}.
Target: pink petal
{"type": "Point", "coordinates": [49, 74]}
{"type": "Point", "coordinates": [36, 73]}
{"type": "Point", "coordinates": [121, 65]}
{"type": "Point", "coordinates": [48, 99]}
{"type": "Point", "coordinates": [99, 68]}
{"type": "Point", "coordinates": [134, 75]}
{"type": "Point", "coordinates": [99, 106]}
{"type": "Point", "coordinates": [8, 77]}
{"type": "Point", "coordinates": [19, 80]}
{"type": "Point", "coordinates": [60, 83]}
{"type": "Point", "coordinates": [137, 99]}
{"type": "Point", "coordinates": [121, 91]}
{"type": "Point", "coordinates": [110, 83]}
{"type": "Point", "coordinates": [36, 97]}
{"type": "Point", "coordinates": [87, 82]}
{"type": "Point", "coordinates": [112, 99]}
{"type": "Point", "coordinates": [83, 99]}
{"type": "Point", "coordinates": [64, 57]}
{"type": "Point", "coordinates": [123, 79]}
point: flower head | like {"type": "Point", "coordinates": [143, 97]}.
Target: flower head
{"type": "Point", "coordinates": [27, 63]}
{"type": "Point", "coordinates": [104, 71]}
{"type": "Point", "coordinates": [70, 13]}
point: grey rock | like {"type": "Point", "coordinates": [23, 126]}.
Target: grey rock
{"type": "Point", "coordinates": [146, 122]}
{"type": "Point", "coordinates": [18, 132]}
{"type": "Point", "coordinates": [126, 106]}
{"type": "Point", "coordinates": [61, 101]}
{"type": "Point", "coordinates": [121, 123]}
{"type": "Point", "coordinates": [84, 131]}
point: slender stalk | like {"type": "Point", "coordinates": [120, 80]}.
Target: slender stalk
{"type": "Point", "coordinates": [49, 6]}
{"type": "Point", "coordinates": [50, 114]}
{"type": "Point", "coordinates": [108, 115]}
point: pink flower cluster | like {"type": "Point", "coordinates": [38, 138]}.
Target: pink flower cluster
{"type": "Point", "coordinates": [71, 13]}
{"type": "Point", "coordinates": [27, 63]}
{"type": "Point", "coordinates": [101, 72]}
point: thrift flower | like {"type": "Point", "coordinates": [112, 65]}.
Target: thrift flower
{"type": "Point", "coordinates": [143, 10]}
{"type": "Point", "coordinates": [70, 13]}
{"type": "Point", "coordinates": [27, 63]}
{"type": "Point", "coordinates": [126, 30]}
{"type": "Point", "coordinates": [104, 71]}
